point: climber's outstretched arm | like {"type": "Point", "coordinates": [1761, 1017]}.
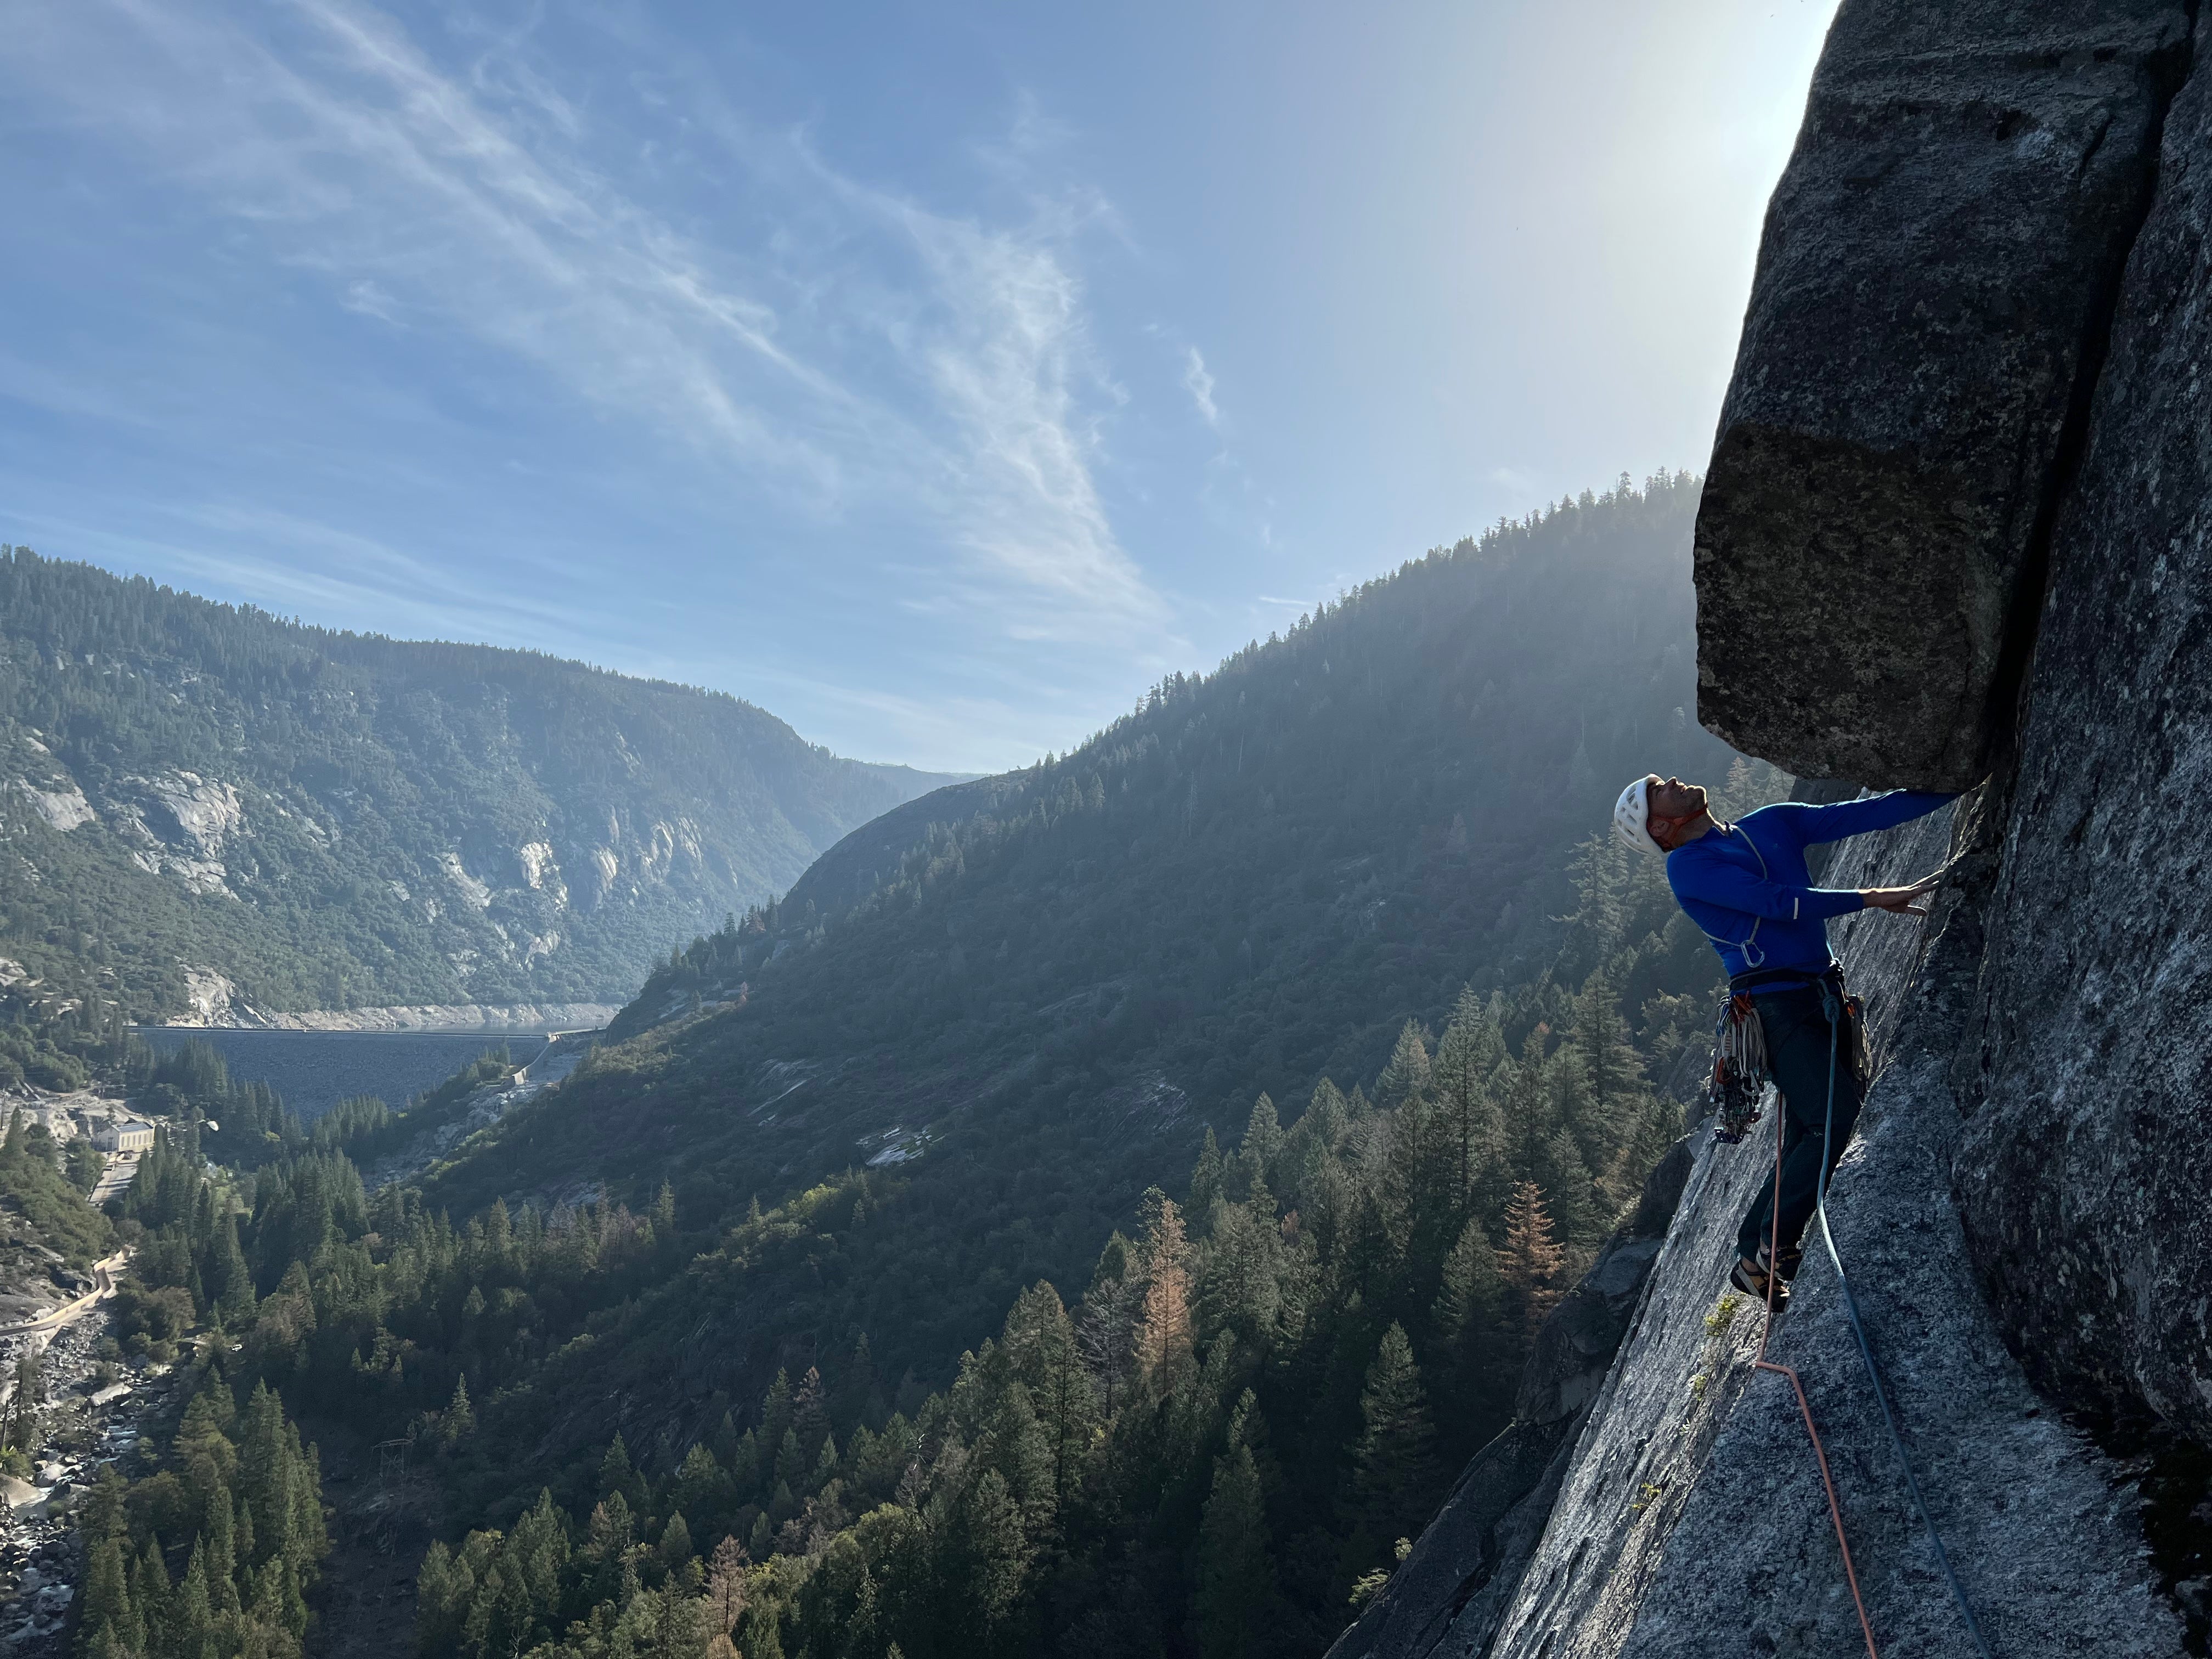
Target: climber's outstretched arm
{"type": "Point", "coordinates": [1812, 825]}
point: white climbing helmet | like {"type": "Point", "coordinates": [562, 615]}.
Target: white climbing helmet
{"type": "Point", "coordinates": [1631, 819]}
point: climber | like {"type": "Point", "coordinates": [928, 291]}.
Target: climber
{"type": "Point", "coordinates": [1746, 886]}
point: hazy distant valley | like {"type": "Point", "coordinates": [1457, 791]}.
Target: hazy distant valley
{"type": "Point", "coordinates": [212, 816]}
{"type": "Point", "coordinates": [841, 1139]}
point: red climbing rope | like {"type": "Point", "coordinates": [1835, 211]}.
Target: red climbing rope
{"type": "Point", "coordinates": [1762, 1362]}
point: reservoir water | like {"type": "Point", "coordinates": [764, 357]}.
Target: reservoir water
{"type": "Point", "coordinates": [315, 1070]}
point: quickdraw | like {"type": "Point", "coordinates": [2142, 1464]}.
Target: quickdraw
{"type": "Point", "coordinates": [1739, 1077]}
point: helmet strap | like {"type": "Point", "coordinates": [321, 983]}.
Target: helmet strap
{"type": "Point", "coordinates": [1674, 824]}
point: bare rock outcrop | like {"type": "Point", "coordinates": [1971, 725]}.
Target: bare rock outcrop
{"type": "Point", "coordinates": [1694, 1521]}
{"type": "Point", "coordinates": [1938, 262]}
{"type": "Point", "coordinates": [1685, 1516]}
{"type": "Point", "coordinates": [2084, 1171]}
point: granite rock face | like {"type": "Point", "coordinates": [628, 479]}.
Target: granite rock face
{"type": "Point", "coordinates": [2085, 1172]}
{"type": "Point", "coordinates": [1960, 520]}
{"type": "Point", "coordinates": [1737, 1553]}
{"type": "Point", "coordinates": [1686, 1515]}
{"type": "Point", "coordinates": [1938, 264]}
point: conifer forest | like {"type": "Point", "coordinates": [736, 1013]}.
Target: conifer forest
{"type": "Point", "coordinates": [842, 1304]}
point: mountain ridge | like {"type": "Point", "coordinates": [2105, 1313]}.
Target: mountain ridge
{"type": "Point", "coordinates": [214, 805]}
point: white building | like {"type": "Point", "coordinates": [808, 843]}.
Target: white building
{"type": "Point", "coordinates": [122, 1135]}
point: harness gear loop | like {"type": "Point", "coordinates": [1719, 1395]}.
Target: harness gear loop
{"type": "Point", "coordinates": [1740, 1069]}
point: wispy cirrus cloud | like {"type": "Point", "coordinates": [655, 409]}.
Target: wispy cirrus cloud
{"type": "Point", "coordinates": [838, 348]}
{"type": "Point", "coordinates": [1199, 384]}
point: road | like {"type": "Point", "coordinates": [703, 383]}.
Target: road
{"type": "Point", "coordinates": [103, 1286]}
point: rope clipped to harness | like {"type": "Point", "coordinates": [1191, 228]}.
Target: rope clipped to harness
{"type": "Point", "coordinates": [1740, 1073]}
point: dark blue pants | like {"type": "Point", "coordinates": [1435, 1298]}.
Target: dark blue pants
{"type": "Point", "coordinates": [1798, 1036]}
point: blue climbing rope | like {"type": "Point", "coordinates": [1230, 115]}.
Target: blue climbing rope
{"type": "Point", "coordinates": [1833, 1005]}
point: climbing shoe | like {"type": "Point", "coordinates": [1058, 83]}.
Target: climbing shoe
{"type": "Point", "coordinates": [1786, 1265]}
{"type": "Point", "coordinates": [1753, 1280]}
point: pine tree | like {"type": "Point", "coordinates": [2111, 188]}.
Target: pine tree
{"type": "Point", "coordinates": [1205, 1177]}
{"type": "Point", "coordinates": [1406, 1075]}
{"type": "Point", "coordinates": [1235, 1578]}
{"type": "Point", "coordinates": [1392, 1463]}
{"type": "Point", "coordinates": [746, 1474]}
{"type": "Point", "coordinates": [791, 1462]}
{"type": "Point", "coordinates": [1466, 1061]}
{"type": "Point", "coordinates": [1328, 1114]}
{"type": "Point", "coordinates": [1600, 875]}
{"type": "Point", "coordinates": [676, 1541]}
{"type": "Point", "coordinates": [983, 1555]}
{"type": "Point", "coordinates": [1105, 1321]}
{"type": "Point", "coordinates": [1236, 1277]}
{"type": "Point", "coordinates": [1530, 1260]}
{"type": "Point", "coordinates": [1163, 1334]}
{"type": "Point", "coordinates": [616, 1474]}
{"type": "Point", "coordinates": [1477, 1365]}
{"type": "Point", "coordinates": [1473, 1294]}
{"type": "Point", "coordinates": [24, 1399]}
{"type": "Point", "coordinates": [109, 1621]}
{"type": "Point", "coordinates": [1418, 1196]}
{"type": "Point", "coordinates": [1015, 1444]}
{"type": "Point", "coordinates": [191, 1610]}
{"type": "Point", "coordinates": [810, 1414]}
{"type": "Point", "coordinates": [1612, 1072]}
{"type": "Point", "coordinates": [459, 1421]}
{"type": "Point", "coordinates": [726, 1586]}
{"type": "Point", "coordinates": [776, 1413]}
{"type": "Point", "coordinates": [1263, 1138]}
{"type": "Point", "coordinates": [702, 1488]}
{"type": "Point", "coordinates": [1039, 1340]}
{"type": "Point", "coordinates": [151, 1593]}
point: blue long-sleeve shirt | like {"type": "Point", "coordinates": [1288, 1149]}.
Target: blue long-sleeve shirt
{"type": "Point", "coordinates": [1746, 887]}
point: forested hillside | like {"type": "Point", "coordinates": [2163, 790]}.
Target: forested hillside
{"type": "Point", "coordinates": [203, 806]}
{"type": "Point", "coordinates": [1250, 883]}
{"type": "Point", "coordinates": [1092, 1214]}
{"type": "Point", "coordinates": [1215, 1449]}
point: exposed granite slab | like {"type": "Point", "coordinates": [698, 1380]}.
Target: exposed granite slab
{"type": "Point", "coordinates": [2086, 1167]}
{"type": "Point", "coordinates": [1691, 1519]}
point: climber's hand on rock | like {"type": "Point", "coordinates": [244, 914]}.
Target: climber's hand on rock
{"type": "Point", "coordinates": [1901, 901]}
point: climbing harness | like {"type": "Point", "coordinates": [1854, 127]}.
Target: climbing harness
{"type": "Point", "coordinates": [1739, 1080]}
{"type": "Point", "coordinates": [1739, 1074]}
{"type": "Point", "coordinates": [1842, 1010]}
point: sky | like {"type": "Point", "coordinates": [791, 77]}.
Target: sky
{"type": "Point", "coordinates": [935, 376]}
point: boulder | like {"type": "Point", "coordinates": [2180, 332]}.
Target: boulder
{"type": "Point", "coordinates": [1936, 278]}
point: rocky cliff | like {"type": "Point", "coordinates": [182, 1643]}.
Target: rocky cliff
{"type": "Point", "coordinates": [1954, 535]}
